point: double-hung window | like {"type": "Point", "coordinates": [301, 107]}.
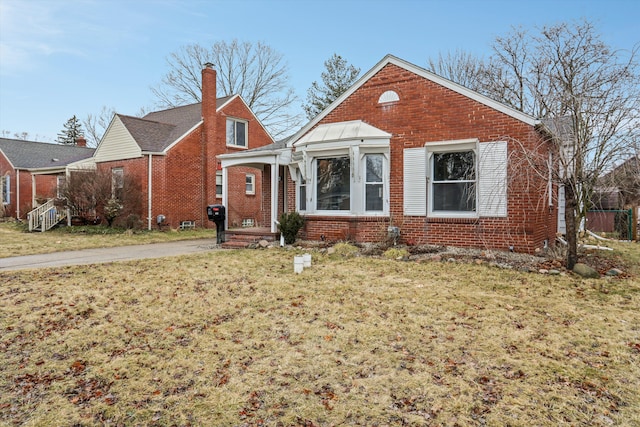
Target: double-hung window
{"type": "Point", "coordinates": [464, 179]}
{"type": "Point", "coordinates": [237, 132]}
{"type": "Point", "coordinates": [61, 183]}
{"type": "Point", "coordinates": [302, 193]}
{"type": "Point", "coordinates": [219, 184]}
{"type": "Point", "coordinates": [250, 184]}
{"type": "Point", "coordinates": [374, 182]}
{"type": "Point", "coordinates": [453, 182]}
{"type": "Point", "coordinates": [5, 189]}
{"type": "Point", "coordinates": [117, 183]}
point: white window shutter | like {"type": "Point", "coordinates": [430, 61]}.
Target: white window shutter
{"type": "Point", "coordinates": [415, 181]}
{"type": "Point", "coordinates": [492, 179]}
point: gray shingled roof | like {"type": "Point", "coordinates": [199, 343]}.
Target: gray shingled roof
{"type": "Point", "coordinates": [41, 155]}
{"type": "Point", "coordinates": [158, 130]}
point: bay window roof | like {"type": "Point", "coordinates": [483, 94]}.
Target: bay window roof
{"type": "Point", "coordinates": [352, 130]}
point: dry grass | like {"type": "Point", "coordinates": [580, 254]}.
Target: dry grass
{"type": "Point", "coordinates": [15, 241]}
{"type": "Point", "coordinates": [236, 338]}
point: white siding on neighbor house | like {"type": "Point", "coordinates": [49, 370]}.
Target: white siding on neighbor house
{"type": "Point", "coordinates": [415, 181]}
{"type": "Point", "coordinates": [117, 144]}
{"type": "Point", "coordinates": [492, 179]}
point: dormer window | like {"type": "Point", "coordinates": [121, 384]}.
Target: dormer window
{"type": "Point", "coordinates": [237, 133]}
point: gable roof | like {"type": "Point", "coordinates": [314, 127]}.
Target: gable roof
{"type": "Point", "coordinates": [33, 155]}
{"type": "Point", "coordinates": [158, 130]}
{"type": "Point", "coordinates": [390, 59]}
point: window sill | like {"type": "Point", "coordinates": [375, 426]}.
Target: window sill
{"type": "Point", "coordinates": [453, 220]}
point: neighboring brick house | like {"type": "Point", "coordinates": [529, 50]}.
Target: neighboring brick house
{"type": "Point", "coordinates": [31, 172]}
{"type": "Point", "coordinates": [173, 154]}
{"type": "Point", "coordinates": [406, 151]}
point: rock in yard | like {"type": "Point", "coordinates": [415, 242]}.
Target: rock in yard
{"type": "Point", "coordinates": [583, 270]}
{"type": "Point", "coordinates": [614, 272]}
{"type": "Point", "coordinates": [263, 243]}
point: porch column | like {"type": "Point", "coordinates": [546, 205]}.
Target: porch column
{"type": "Point", "coordinates": [274, 195]}
{"type": "Point", "coordinates": [225, 196]}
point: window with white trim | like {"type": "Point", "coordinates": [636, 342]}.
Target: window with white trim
{"type": "Point", "coordinates": [333, 184]}
{"type": "Point", "coordinates": [5, 189]}
{"type": "Point", "coordinates": [453, 182]}
{"type": "Point", "coordinates": [61, 181]}
{"type": "Point", "coordinates": [302, 193]}
{"type": "Point", "coordinates": [374, 182]}
{"type": "Point", "coordinates": [237, 132]}
{"type": "Point", "coordinates": [456, 179]}
{"type": "Point", "coordinates": [250, 184]}
{"type": "Point", "coordinates": [219, 184]}
{"type": "Point", "coordinates": [117, 183]}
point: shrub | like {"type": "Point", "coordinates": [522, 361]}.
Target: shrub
{"type": "Point", "coordinates": [345, 250]}
{"type": "Point", "coordinates": [395, 253]}
{"type": "Point", "coordinates": [290, 224]}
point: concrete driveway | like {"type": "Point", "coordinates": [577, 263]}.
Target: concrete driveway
{"type": "Point", "coordinates": [103, 255]}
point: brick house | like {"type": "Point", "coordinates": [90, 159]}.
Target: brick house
{"type": "Point", "coordinates": [31, 172]}
{"type": "Point", "coordinates": [405, 151]}
{"type": "Point", "coordinates": [173, 155]}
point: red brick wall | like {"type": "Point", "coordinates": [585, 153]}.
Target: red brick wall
{"type": "Point", "coordinates": [240, 205]}
{"type": "Point", "coordinates": [7, 170]}
{"type": "Point", "coordinates": [429, 112]}
{"type": "Point", "coordinates": [184, 180]}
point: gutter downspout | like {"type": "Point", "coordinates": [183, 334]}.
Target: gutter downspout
{"type": "Point", "coordinates": [149, 192]}
{"type": "Point", "coordinates": [274, 196]}
{"type": "Point", "coordinates": [17, 193]}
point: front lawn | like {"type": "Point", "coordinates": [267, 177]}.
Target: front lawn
{"type": "Point", "coordinates": [16, 241]}
{"type": "Point", "coordinates": [232, 338]}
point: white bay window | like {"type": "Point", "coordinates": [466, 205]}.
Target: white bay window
{"type": "Point", "coordinates": [343, 170]}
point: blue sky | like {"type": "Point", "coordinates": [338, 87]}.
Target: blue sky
{"type": "Point", "coordinates": [64, 57]}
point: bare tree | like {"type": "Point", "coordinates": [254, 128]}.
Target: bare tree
{"type": "Point", "coordinates": [90, 195]}
{"type": "Point", "coordinates": [255, 71]}
{"type": "Point", "coordinates": [461, 67]}
{"type": "Point", "coordinates": [84, 192]}
{"type": "Point", "coordinates": [587, 93]}
{"type": "Point", "coordinates": [96, 124]}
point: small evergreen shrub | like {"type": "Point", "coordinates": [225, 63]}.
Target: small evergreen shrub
{"type": "Point", "coordinates": [290, 224]}
{"type": "Point", "coordinates": [345, 250]}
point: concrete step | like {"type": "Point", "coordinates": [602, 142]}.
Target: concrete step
{"type": "Point", "coordinates": [235, 244]}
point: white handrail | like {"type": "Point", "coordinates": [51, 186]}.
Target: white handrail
{"type": "Point", "coordinates": [45, 216]}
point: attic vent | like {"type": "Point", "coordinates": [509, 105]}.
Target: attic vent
{"type": "Point", "coordinates": [388, 96]}
{"type": "Point", "coordinates": [54, 160]}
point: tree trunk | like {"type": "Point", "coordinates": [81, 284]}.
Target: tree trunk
{"type": "Point", "coordinates": [571, 205]}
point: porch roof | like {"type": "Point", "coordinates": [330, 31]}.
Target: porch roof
{"type": "Point", "coordinates": [355, 129]}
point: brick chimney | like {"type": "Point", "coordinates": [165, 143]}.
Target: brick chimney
{"type": "Point", "coordinates": [209, 99]}
{"type": "Point", "coordinates": [81, 141]}
{"type": "Point", "coordinates": [212, 145]}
